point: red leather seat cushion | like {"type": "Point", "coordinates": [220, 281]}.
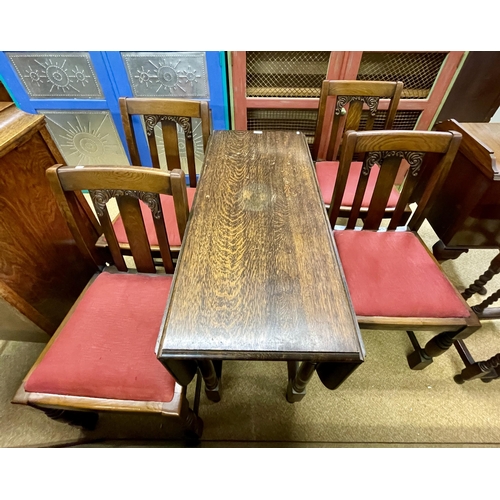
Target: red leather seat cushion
{"type": "Point", "coordinates": [326, 171]}
{"type": "Point", "coordinates": [391, 274]}
{"type": "Point", "coordinates": [167, 205]}
{"type": "Point", "coordinates": [107, 347]}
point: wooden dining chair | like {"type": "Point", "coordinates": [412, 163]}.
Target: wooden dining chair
{"type": "Point", "coordinates": [352, 105]}
{"type": "Point", "coordinates": [485, 370]}
{"type": "Point", "coordinates": [173, 115]}
{"type": "Point", "coordinates": [488, 369]}
{"type": "Point", "coordinates": [393, 279]}
{"type": "Point", "coordinates": [102, 357]}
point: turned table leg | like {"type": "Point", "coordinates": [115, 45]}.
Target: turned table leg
{"type": "Point", "coordinates": [212, 380]}
{"type": "Point", "coordinates": [298, 377]}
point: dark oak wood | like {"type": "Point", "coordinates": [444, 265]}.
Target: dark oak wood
{"type": "Point", "coordinates": [168, 112]}
{"type": "Point", "coordinates": [127, 184]}
{"type": "Point", "coordinates": [429, 154]}
{"type": "Point", "coordinates": [349, 98]}
{"type": "Point", "coordinates": [342, 103]}
{"type": "Point", "coordinates": [475, 95]}
{"type": "Point", "coordinates": [38, 253]}
{"type": "Point", "coordinates": [467, 212]}
{"type": "Point", "coordinates": [487, 370]}
{"type": "Point", "coordinates": [246, 286]}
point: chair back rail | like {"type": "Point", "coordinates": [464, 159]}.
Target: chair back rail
{"type": "Point", "coordinates": [431, 152]}
{"type": "Point", "coordinates": [169, 113]}
{"type": "Point", "coordinates": [350, 98]}
{"type": "Point", "coordinates": [127, 185]}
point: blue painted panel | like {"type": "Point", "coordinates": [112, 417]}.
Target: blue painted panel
{"type": "Point", "coordinates": [14, 85]}
{"type": "Point", "coordinates": [217, 81]}
{"type": "Point", "coordinates": [112, 76]}
{"type": "Point", "coordinates": [123, 89]}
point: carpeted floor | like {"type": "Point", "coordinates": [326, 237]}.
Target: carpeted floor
{"type": "Point", "coordinates": [383, 403]}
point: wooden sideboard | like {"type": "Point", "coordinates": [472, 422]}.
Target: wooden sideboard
{"type": "Point", "coordinates": [467, 212]}
{"type": "Point", "coordinates": [41, 269]}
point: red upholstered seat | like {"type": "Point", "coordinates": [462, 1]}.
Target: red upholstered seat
{"type": "Point", "coordinates": [107, 347]}
{"type": "Point", "coordinates": [167, 205]}
{"type": "Point", "coordinates": [326, 171]}
{"type": "Point", "coordinates": [392, 274]}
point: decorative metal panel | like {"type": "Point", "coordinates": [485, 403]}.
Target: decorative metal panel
{"type": "Point", "coordinates": [86, 137]}
{"type": "Point", "coordinates": [197, 143]}
{"type": "Point", "coordinates": [167, 74]}
{"type": "Point", "coordinates": [60, 74]}
{"type": "Point", "coordinates": [285, 73]}
{"type": "Point", "coordinates": [417, 70]}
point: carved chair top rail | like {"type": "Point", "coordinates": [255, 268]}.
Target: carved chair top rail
{"type": "Point", "coordinates": [387, 149]}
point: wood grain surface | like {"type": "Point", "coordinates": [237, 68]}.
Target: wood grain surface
{"type": "Point", "coordinates": [480, 144]}
{"type": "Point", "coordinates": [40, 264]}
{"type": "Point", "coordinates": [258, 274]}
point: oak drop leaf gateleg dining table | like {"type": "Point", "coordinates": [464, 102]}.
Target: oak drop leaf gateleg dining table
{"type": "Point", "coordinates": [258, 275]}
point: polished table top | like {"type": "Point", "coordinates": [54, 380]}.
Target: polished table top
{"type": "Point", "coordinates": [258, 274]}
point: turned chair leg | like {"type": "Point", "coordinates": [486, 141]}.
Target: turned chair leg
{"type": "Point", "coordinates": [478, 285]}
{"type": "Point", "coordinates": [87, 420]}
{"type": "Point", "coordinates": [422, 357]}
{"type": "Point", "coordinates": [193, 424]}
{"type": "Point", "coordinates": [484, 370]}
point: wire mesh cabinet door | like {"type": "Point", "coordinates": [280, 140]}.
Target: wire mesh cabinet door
{"type": "Point", "coordinates": [281, 89]}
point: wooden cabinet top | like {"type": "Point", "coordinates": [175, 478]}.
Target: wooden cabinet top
{"type": "Point", "coordinates": [16, 126]}
{"type": "Point", "coordinates": [258, 274]}
{"type": "Point", "coordinates": [480, 144]}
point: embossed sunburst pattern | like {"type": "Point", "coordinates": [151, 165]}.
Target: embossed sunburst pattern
{"type": "Point", "coordinates": [86, 138]}
{"type": "Point", "coordinates": [169, 74]}
{"type": "Point", "coordinates": [57, 74]}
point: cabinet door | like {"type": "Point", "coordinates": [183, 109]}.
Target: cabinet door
{"type": "Point", "coordinates": [76, 94]}
{"type": "Point", "coordinates": [281, 89]}
{"type": "Point", "coordinates": [190, 75]}
{"type": "Point", "coordinates": [426, 77]}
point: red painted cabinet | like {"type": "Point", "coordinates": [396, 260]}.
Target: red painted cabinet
{"type": "Point", "coordinates": [280, 90]}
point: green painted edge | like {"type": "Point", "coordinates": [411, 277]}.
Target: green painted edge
{"type": "Point", "coordinates": [223, 59]}
{"type": "Point", "coordinates": [230, 81]}
{"type": "Point", "coordinates": [448, 90]}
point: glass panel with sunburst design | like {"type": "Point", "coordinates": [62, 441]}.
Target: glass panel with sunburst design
{"type": "Point", "coordinates": [86, 137]}
{"type": "Point", "coordinates": [167, 74]}
{"type": "Point", "coordinates": [56, 75]}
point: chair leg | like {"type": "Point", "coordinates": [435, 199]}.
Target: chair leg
{"type": "Point", "coordinates": [193, 424]}
{"type": "Point", "coordinates": [422, 357]}
{"type": "Point", "coordinates": [442, 252]}
{"type": "Point", "coordinates": [85, 419]}
{"type": "Point", "coordinates": [478, 285]}
{"type": "Point", "coordinates": [484, 370]}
